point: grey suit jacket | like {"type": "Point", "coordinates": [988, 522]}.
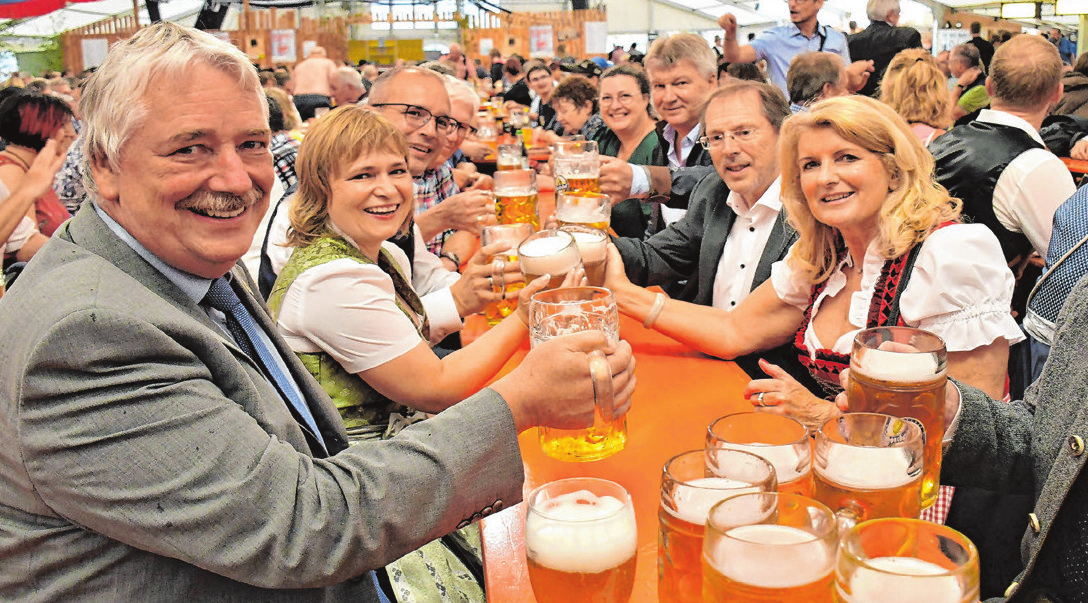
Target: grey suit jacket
{"type": "Point", "coordinates": [1031, 446]}
{"type": "Point", "coordinates": [692, 247]}
{"type": "Point", "coordinates": [145, 458]}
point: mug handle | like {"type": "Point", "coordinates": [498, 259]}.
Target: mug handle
{"type": "Point", "coordinates": [601, 374]}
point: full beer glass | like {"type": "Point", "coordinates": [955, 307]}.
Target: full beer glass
{"type": "Point", "coordinates": [577, 166]}
{"type": "Point", "coordinates": [581, 541]}
{"type": "Point", "coordinates": [869, 465]}
{"type": "Point", "coordinates": [901, 371]}
{"type": "Point", "coordinates": [513, 235]}
{"type": "Point", "coordinates": [587, 209]}
{"type": "Point", "coordinates": [781, 440]}
{"type": "Point", "coordinates": [516, 197]}
{"type": "Point", "coordinates": [904, 561]}
{"type": "Point", "coordinates": [593, 247]}
{"type": "Point", "coordinates": [571, 310]}
{"type": "Point", "coordinates": [767, 547]}
{"type": "Point", "coordinates": [551, 252]}
{"type": "Point", "coordinates": [692, 483]}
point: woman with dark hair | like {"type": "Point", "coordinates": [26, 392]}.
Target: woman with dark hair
{"type": "Point", "coordinates": [575, 102]}
{"type": "Point", "coordinates": [27, 121]}
{"type": "Point", "coordinates": [630, 135]}
{"type": "Point", "coordinates": [1075, 90]}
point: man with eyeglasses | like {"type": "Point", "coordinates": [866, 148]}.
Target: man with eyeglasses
{"type": "Point", "coordinates": [778, 45]}
{"type": "Point", "coordinates": [734, 230]}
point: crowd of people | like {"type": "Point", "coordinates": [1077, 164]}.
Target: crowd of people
{"type": "Point", "coordinates": [234, 286]}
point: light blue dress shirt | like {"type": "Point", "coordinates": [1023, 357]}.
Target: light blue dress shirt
{"type": "Point", "coordinates": [779, 45]}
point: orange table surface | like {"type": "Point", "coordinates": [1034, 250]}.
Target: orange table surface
{"type": "Point", "coordinates": [1076, 166]}
{"type": "Point", "coordinates": [679, 393]}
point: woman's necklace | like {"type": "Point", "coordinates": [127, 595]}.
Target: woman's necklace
{"type": "Point", "coordinates": [22, 162]}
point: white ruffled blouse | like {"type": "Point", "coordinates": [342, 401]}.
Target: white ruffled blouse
{"type": "Point", "coordinates": [960, 290]}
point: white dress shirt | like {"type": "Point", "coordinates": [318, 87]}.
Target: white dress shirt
{"type": "Point", "coordinates": [744, 246]}
{"type": "Point", "coordinates": [960, 290]}
{"type": "Point", "coordinates": [1031, 188]}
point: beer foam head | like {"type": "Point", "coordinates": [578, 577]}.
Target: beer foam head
{"type": "Point", "coordinates": [593, 247]}
{"type": "Point", "coordinates": [694, 498]}
{"type": "Point", "coordinates": [913, 580]}
{"type": "Point", "coordinates": [546, 255]}
{"type": "Point", "coordinates": [581, 532]}
{"type": "Point", "coordinates": [771, 556]}
{"type": "Point", "coordinates": [897, 366]}
{"type": "Point", "coordinates": [869, 468]}
{"type": "Point", "coordinates": [788, 463]}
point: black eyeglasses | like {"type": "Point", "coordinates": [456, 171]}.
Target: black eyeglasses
{"type": "Point", "coordinates": [417, 117]}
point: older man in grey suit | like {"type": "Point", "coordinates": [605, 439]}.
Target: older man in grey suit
{"type": "Point", "coordinates": [161, 442]}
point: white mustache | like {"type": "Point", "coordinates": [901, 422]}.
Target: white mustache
{"type": "Point", "coordinates": [207, 200]}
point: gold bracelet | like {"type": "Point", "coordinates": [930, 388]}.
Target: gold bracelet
{"type": "Point", "coordinates": [655, 311]}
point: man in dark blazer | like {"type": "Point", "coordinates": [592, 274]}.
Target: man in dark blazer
{"type": "Point", "coordinates": [734, 229]}
{"type": "Point", "coordinates": [161, 441]}
{"type": "Point", "coordinates": [881, 41]}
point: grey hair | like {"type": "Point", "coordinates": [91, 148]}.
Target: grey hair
{"type": "Point", "coordinates": [878, 10]}
{"type": "Point", "coordinates": [666, 52]}
{"type": "Point", "coordinates": [350, 77]}
{"type": "Point", "coordinates": [808, 73]}
{"type": "Point", "coordinates": [456, 86]}
{"type": "Point", "coordinates": [113, 104]}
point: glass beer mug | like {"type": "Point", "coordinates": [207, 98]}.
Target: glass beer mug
{"type": "Point", "coordinates": [560, 312]}
{"type": "Point", "coordinates": [513, 235]}
{"type": "Point", "coordinates": [901, 371]}
{"type": "Point", "coordinates": [551, 252]}
{"type": "Point", "coordinates": [781, 440]}
{"type": "Point", "coordinates": [581, 541]}
{"type": "Point", "coordinates": [692, 483]}
{"type": "Point", "coordinates": [583, 208]}
{"type": "Point", "coordinates": [593, 247]}
{"type": "Point", "coordinates": [577, 166]}
{"type": "Point", "coordinates": [906, 560]}
{"type": "Point", "coordinates": [766, 546]}
{"type": "Point", "coordinates": [516, 197]}
{"type": "Point", "coordinates": [869, 465]}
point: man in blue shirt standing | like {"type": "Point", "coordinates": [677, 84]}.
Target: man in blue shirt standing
{"type": "Point", "coordinates": [779, 45]}
{"type": "Point", "coordinates": [1066, 48]}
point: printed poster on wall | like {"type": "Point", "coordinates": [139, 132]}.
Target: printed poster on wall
{"type": "Point", "coordinates": [597, 37]}
{"type": "Point", "coordinates": [283, 46]}
{"type": "Point", "coordinates": [541, 41]}
{"type": "Point", "coordinates": [94, 51]}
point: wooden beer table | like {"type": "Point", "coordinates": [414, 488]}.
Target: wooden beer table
{"type": "Point", "coordinates": [679, 393]}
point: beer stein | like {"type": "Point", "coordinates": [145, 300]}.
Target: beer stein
{"type": "Point", "coordinates": [781, 440]}
{"type": "Point", "coordinates": [513, 235]}
{"type": "Point", "coordinates": [768, 546]}
{"type": "Point", "coordinates": [869, 465]}
{"type": "Point", "coordinates": [906, 560]}
{"type": "Point", "coordinates": [516, 196]}
{"type": "Point", "coordinates": [577, 166]}
{"type": "Point", "coordinates": [560, 312]}
{"type": "Point", "coordinates": [593, 247]}
{"type": "Point", "coordinates": [551, 252]}
{"type": "Point", "coordinates": [901, 371]}
{"type": "Point", "coordinates": [581, 541]}
{"type": "Point", "coordinates": [509, 158]}
{"type": "Point", "coordinates": [587, 209]}
{"type": "Point", "coordinates": [692, 483]}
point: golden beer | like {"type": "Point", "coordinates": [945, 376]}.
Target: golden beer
{"type": "Point", "coordinates": [583, 184]}
{"type": "Point", "coordinates": [512, 209]}
{"type": "Point", "coordinates": [557, 312]}
{"type": "Point", "coordinates": [581, 541]}
{"type": "Point", "coordinates": [783, 441]}
{"type": "Point", "coordinates": [512, 235]}
{"type": "Point", "coordinates": [871, 482]}
{"type": "Point", "coordinates": [769, 547]}
{"type": "Point", "coordinates": [680, 539]}
{"type": "Point", "coordinates": [508, 166]}
{"type": "Point", "coordinates": [495, 311]}
{"type": "Point", "coordinates": [776, 564]}
{"type": "Point", "coordinates": [903, 384]}
{"type": "Point", "coordinates": [593, 247]}
{"type": "Point", "coordinates": [904, 561]}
